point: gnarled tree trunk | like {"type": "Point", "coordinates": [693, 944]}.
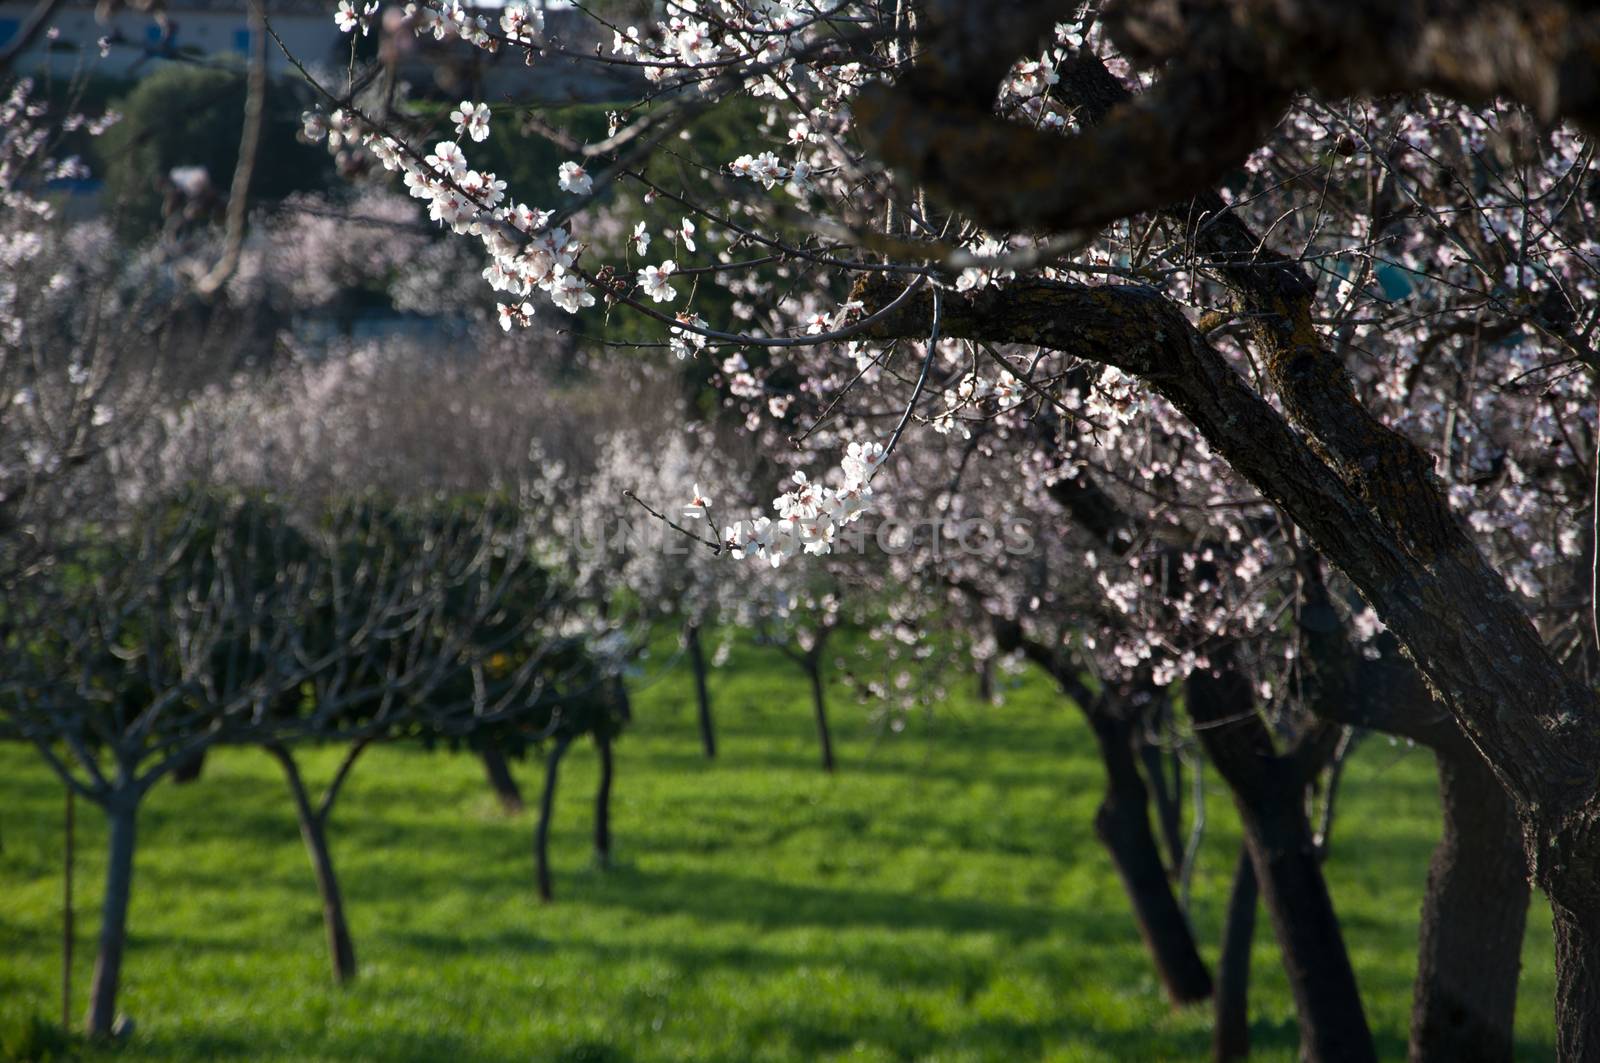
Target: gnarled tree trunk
{"type": "Point", "coordinates": [1473, 917]}
{"type": "Point", "coordinates": [1269, 790]}
{"type": "Point", "coordinates": [1122, 824]}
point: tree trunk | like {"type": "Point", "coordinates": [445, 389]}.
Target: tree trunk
{"type": "Point", "coordinates": [501, 781]}
{"type": "Point", "coordinates": [1230, 1035]}
{"type": "Point", "coordinates": [313, 831]}
{"type": "Point", "coordinates": [1269, 791]}
{"type": "Point", "coordinates": [1122, 824]}
{"type": "Point", "coordinates": [697, 660]}
{"type": "Point", "coordinates": [68, 933]}
{"type": "Point", "coordinates": [602, 803]}
{"type": "Point", "coordinates": [1167, 798]}
{"type": "Point", "coordinates": [1473, 918]}
{"type": "Point", "coordinates": [189, 770]}
{"type": "Point", "coordinates": [547, 804]}
{"type": "Point", "coordinates": [1577, 986]}
{"type": "Point", "coordinates": [122, 812]}
{"type": "Point", "coordinates": [986, 681]}
{"type": "Point", "coordinates": [820, 706]}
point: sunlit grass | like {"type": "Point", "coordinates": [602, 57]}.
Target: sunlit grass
{"type": "Point", "coordinates": [942, 898]}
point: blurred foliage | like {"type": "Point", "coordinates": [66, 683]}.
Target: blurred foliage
{"type": "Point", "coordinates": [29, 1037]}
{"type": "Point", "coordinates": [186, 115]}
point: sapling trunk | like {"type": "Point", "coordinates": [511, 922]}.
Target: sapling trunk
{"type": "Point", "coordinates": [122, 815]}
{"type": "Point", "coordinates": [547, 804]}
{"type": "Point", "coordinates": [819, 706]}
{"type": "Point", "coordinates": [68, 859]}
{"type": "Point", "coordinates": [1230, 1034]}
{"type": "Point", "coordinates": [314, 832]}
{"type": "Point", "coordinates": [697, 661]}
{"type": "Point", "coordinates": [602, 802]}
{"type": "Point", "coordinates": [1167, 799]}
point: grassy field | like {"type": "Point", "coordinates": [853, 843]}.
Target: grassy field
{"type": "Point", "coordinates": [942, 898]}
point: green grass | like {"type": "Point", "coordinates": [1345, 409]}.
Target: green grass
{"type": "Point", "coordinates": [942, 898]}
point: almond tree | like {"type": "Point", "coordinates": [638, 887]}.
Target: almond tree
{"type": "Point", "coordinates": [144, 643]}
{"type": "Point", "coordinates": [1136, 187]}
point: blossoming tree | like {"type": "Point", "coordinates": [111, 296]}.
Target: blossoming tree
{"type": "Point", "coordinates": [1350, 252]}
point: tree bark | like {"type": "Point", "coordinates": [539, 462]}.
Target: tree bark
{"type": "Point", "coordinates": [547, 805]}
{"type": "Point", "coordinates": [1122, 824]}
{"type": "Point", "coordinates": [819, 706]}
{"type": "Point", "coordinates": [314, 832]}
{"type": "Point", "coordinates": [697, 660]}
{"type": "Point", "coordinates": [122, 814]}
{"type": "Point", "coordinates": [1473, 918]}
{"type": "Point", "coordinates": [1269, 791]}
{"type": "Point", "coordinates": [501, 781]}
{"type": "Point", "coordinates": [1577, 986]}
{"type": "Point", "coordinates": [1230, 1035]}
{"type": "Point", "coordinates": [602, 802]}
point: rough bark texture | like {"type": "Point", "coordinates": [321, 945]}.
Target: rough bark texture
{"type": "Point", "coordinates": [1577, 986]}
{"type": "Point", "coordinates": [602, 802]}
{"type": "Point", "coordinates": [1227, 70]}
{"type": "Point", "coordinates": [314, 832]}
{"type": "Point", "coordinates": [697, 661]}
{"type": "Point", "coordinates": [501, 781]}
{"type": "Point", "coordinates": [547, 805]}
{"type": "Point", "coordinates": [122, 815]}
{"type": "Point", "coordinates": [1473, 917]}
{"type": "Point", "coordinates": [1230, 1033]}
{"type": "Point", "coordinates": [1268, 790]}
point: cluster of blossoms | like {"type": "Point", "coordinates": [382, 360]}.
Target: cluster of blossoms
{"type": "Point", "coordinates": [349, 18]}
{"type": "Point", "coordinates": [1521, 252]}
{"type": "Point", "coordinates": [27, 164]}
{"type": "Point", "coordinates": [811, 515]}
{"type": "Point", "coordinates": [972, 392]}
{"type": "Point", "coordinates": [766, 170]}
{"type": "Point", "coordinates": [525, 254]}
{"type": "Point", "coordinates": [702, 45]}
